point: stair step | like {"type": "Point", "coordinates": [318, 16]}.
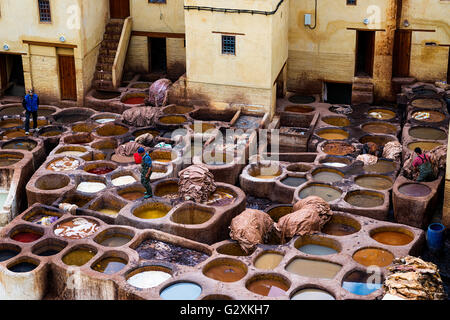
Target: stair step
{"type": "Point", "coordinates": [362, 86]}
{"type": "Point", "coordinates": [106, 59]}
{"type": "Point", "coordinates": [109, 44]}
{"type": "Point", "coordinates": [111, 36]}
{"type": "Point", "coordinates": [359, 97]}
{"type": "Point", "coordinates": [361, 79]}
{"type": "Point", "coordinates": [106, 75]}
{"type": "Point", "coordinates": [104, 66]}
{"type": "Point", "coordinates": [108, 52]}
{"type": "Point", "coordinates": [99, 84]}
{"type": "Point", "coordinates": [113, 28]}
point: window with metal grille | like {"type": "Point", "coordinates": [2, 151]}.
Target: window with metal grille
{"type": "Point", "coordinates": [351, 2]}
{"type": "Point", "coordinates": [228, 45]}
{"type": "Point", "coordinates": [44, 11]}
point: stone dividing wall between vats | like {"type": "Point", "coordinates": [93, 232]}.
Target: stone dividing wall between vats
{"type": "Point", "coordinates": [69, 282]}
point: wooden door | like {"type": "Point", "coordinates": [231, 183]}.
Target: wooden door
{"type": "Point", "coordinates": [119, 9]}
{"type": "Point", "coordinates": [402, 53]}
{"type": "Point", "coordinates": [67, 77]}
{"type": "Point", "coordinates": [3, 73]}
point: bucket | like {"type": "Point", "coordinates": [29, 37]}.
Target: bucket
{"type": "Point", "coordinates": [434, 236]}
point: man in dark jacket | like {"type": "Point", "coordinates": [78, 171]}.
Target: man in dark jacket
{"type": "Point", "coordinates": [31, 106]}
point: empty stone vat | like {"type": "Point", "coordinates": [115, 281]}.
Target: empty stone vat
{"type": "Point", "coordinates": [191, 214]}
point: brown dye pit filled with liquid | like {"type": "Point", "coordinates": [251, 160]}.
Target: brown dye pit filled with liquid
{"type": "Point", "coordinates": [364, 200]}
{"type": "Point", "coordinates": [78, 257]}
{"type": "Point", "coordinates": [374, 182]}
{"type": "Point", "coordinates": [338, 149]}
{"type": "Point", "coordinates": [427, 133]}
{"type": "Point", "coordinates": [20, 145]}
{"type": "Point", "coordinates": [7, 161]}
{"type": "Point", "coordinates": [15, 134]}
{"type": "Point", "coordinates": [427, 103]}
{"type": "Point", "coordinates": [134, 195]}
{"type": "Point", "coordinates": [336, 121]}
{"type": "Point", "coordinates": [10, 124]}
{"type": "Point", "coordinates": [110, 265]}
{"type": "Point", "coordinates": [268, 287]}
{"type": "Point", "coordinates": [381, 114]}
{"type": "Point", "coordinates": [414, 190]}
{"type": "Point", "coordinates": [428, 116]}
{"type": "Point", "coordinates": [225, 273]}
{"type": "Point", "coordinates": [333, 134]}
{"type": "Point", "coordinates": [313, 268]}
{"type": "Point", "coordinates": [338, 229]}
{"type": "Point", "coordinates": [384, 128]}
{"type": "Point", "coordinates": [382, 166]}
{"type": "Point", "coordinates": [424, 145]}
{"type": "Point", "coordinates": [51, 133]}
{"type": "Point", "coordinates": [172, 119]}
{"type": "Point", "coordinates": [373, 257]}
{"type": "Point", "coordinates": [392, 238]}
{"type": "Point", "coordinates": [268, 261]}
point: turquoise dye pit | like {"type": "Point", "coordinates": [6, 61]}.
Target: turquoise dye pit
{"type": "Point", "coordinates": [360, 288]}
{"type": "Point", "coordinates": [317, 250]}
{"type": "Point", "coordinates": [181, 291]}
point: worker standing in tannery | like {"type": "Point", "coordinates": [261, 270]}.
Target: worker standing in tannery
{"type": "Point", "coordinates": [146, 171]}
{"type": "Point", "coordinates": [31, 106]}
{"type": "Point", "coordinates": [423, 162]}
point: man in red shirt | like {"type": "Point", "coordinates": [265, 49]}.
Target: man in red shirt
{"type": "Point", "coordinates": [137, 155]}
{"type": "Point", "coordinates": [423, 162]}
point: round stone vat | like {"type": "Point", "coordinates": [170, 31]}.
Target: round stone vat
{"type": "Point", "coordinates": [268, 260]}
{"type": "Point", "coordinates": [26, 234]}
{"type": "Point", "coordinates": [123, 178]}
{"type": "Point", "coordinates": [52, 182]}
{"type": "Point", "coordinates": [79, 200]}
{"type": "Point", "coordinates": [313, 268]}
{"type": "Point", "coordinates": [48, 247]}
{"type": "Point", "coordinates": [23, 265]}
{"type": "Point", "coordinates": [278, 211]}
{"type": "Point", "coordinates": [265, 172]}
{"type": "Point", "coordinates": [11, 123]}
{"type": "Point", "coordinates": [209, 114]}
{"type": "Point", "coordinates": [317, 245]}
{"type": "Point", "coordinates": [312, 294]}
{"type": "Point", "coordinates": [162, 156]}
{"type": "Point", "coordinates": [105, 118]}
{"type": "Point", "coordinates": [337, 148]}
{"type": "Point", "coordinates": [140, 85]}
{"type": "Point", "coordinates": [40, 123]}
{"type": "Point", "coordinates": [84, 127]}
{"type": "Point", "coordinates": [76, 228]}
{"type": "Point", "coordinates": [174, 109]}
{"type": "Point", "coordinates": [20, 144]}
{"type": "Point", "coordinates": [225, 270]}
{"type": "Point", "coordinates": [428, 116]}
{"type": "Point", "coordinates": [132, 193]}
{"type": "Point", "coordinates": [91, 185]}
{"type": "Point", "coordinates": [414, 189]}
{"type": "Point", "coordinates": [42, 216]}
{"type": "Point", "coordinates": [341, 109]}
{"type": "Point", "coordinates": [46, 111]}
{"type": "Point", "coordinates": [221, 197]}
{"type": "Point", "coordinates": [381, 114]}
{"type": "Point", "coordinates": [72, 115]}
{"type": "Point", "coordinates": [111, 130]}
{"type": "Point", "coordinates": [293, 182]}
{"type": "Point", "coordinates": [299, 167]}
{"type": "Point", "coordinates": [181, 291]}
{"type": "Point", "coordinates": [361, 283]}
{"type": "Point", "coordinates": [299, 109]}
{"type": "Point", "coordinates": [173, 119]}
{"type": "Point", "coordinates": [105, 95]}
{"type": "Point", "coordinates": [153, 132]}
{"type": "Point", "coordinates": [79, 255]}
{"type": "Point", "coordinates": [268, 285]}
{"type": "Point", "coordinates": [340, 225]}
{"type": "Point", "coordinates": [424, 145]}
{"type": "Point", "coordinates": [74, 151]}
{"type": "Point", "coordinates": [373, 257]}
{"type": "Point", "coordinates": [148, 277]}
{"type": "Point", "coordinates": [427, 133]}
{"type": "Point", "coordinates": [335, 162]}
{"type": "Point", "coordinates": [99, 167]}
{"type": "Point", "coordinates": [80, 138]}
{"type": "Point", "coordinates": [106, 145]}
{"type": "Point", "coordinates": [332, 134]}
{"type": "Point", "coordinates": [427, 103]}
{"type": "Point", "coordinates": [364, 198]}
{"type": "Point", "coordinates": [392, 236]}
{"type": "Point", "coordinates": [298, 98]}
{"type": "Point", "coordinates": [336, 121]}
{"type": "Point", "coordinates": [326, 192]}
{"type": "Point", "coordinates": [107, 205]}
{"type": "Point", "coordinates": [217, 159]}
{"type": "Point", "coordinates": [9, 158]}
{"type": "Point", "coordinates": [379, 128]}
{"type": "Point", "coordinates": [192, 214]}
{"type": "Point", "coordinates": [63, 164]}
{"type": "Point", "coordinates": [378, 140]}
{"type": "Point", "coordinates": [14, 133]}
{"type": "Point", "coordinates": [232, 249]}
{"type": "Point", "coordinates": [381, 167]}
{"type": "Point", "coordinates": [167, 189]}
{"type": "Point", "coordinates": [152, 210]}
{"type": "Point", "coordinates": [135, 98]}
{"type": "Point", "coordinates": [374, 181]}
{"type": "Point", "coordinates": [51, 131]}
{"type": "Point", "coordinates": [111, 263]}
{"type": "Point", "coordinates": [217, 297]}
{"type": "Point", "coordinates": [11, 110]}
{"type": "Point", "coordinates": [327, 175]}
{"type": "Point", "coordinates": [8, 251]}
{"type": "Point", "coordinates": [202, 127]}
{"type": "Point", "coordinates": [114, 237]}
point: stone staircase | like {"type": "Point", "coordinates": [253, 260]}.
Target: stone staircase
{"type": "Point", "coordinates": [362, 90]}
{"type": "Point", "coordinates": [107, 54]}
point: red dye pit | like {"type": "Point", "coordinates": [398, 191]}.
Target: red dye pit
{"type": "Point", "coordinates": [26, 237]}
{"type": "Point", "coordinates": [136, 100]}
{"type": "Point", "coordinates": [102, 170]}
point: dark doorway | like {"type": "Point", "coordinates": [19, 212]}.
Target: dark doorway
{"type": "Point", "coordinates": [11, 74]}
{"type": "Point", "coordinates": [401, 54]}
{"type": "Point", "coordinates": [338, 93]}
{"type": "Point", "coordinates": [448, 67]}
{"type": "Point", "coordinates": [67, 77]}
{"type": "Point", "coordinates": [365, 48]}
{"type": "Point", "coordinates": [119, 9]}
{"type": "Point", "coordinates": [157, 54]}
